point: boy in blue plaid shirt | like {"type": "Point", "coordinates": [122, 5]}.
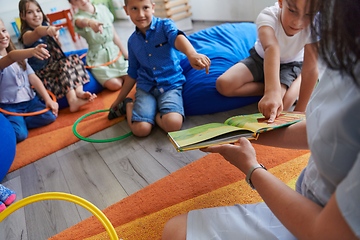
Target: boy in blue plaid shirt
{"type": "Point", "coordinates": [155, 67]}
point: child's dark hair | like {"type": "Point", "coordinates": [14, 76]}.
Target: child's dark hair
{"type": "Point", "coordinates": [338, 28]}
{"type": "Point", "coordinates": [22, 13]}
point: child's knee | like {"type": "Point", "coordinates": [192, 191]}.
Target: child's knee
{"type": "Point", "coordinates": [222, 86]}
{"type": "Point", "coordinates": [141, 129]}
{"type": "Point", "coordinates": [21, 135]}
{"type": "Point", "coordinates": [172, 122]}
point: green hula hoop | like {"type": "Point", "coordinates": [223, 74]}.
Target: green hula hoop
{"type": "Point", "coordinates": [96, 140]}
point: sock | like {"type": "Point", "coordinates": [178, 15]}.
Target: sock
{"type": "Point", "coordinates": [2, 207]}
{"type": "Point", "coordinates": [7, 196]}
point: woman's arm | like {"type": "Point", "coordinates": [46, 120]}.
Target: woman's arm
{"type": "Point", "coordinates": [118, 42]}
{"type": "Point", "coordinates": [302, 217]}
{"type": "Point", "coordinates": [309, 76]}
{"type": "Point", "coordinates": [38, 85]}
{"type": "Point", "coordinates": [291, 137]}
{"type": "Point", "coordinates": [18, 55]}
{"type": "Point", "coordinates": [271, 104]}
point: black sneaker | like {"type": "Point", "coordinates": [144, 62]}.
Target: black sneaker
{"type": "Point", "coordinates": [120, 109]}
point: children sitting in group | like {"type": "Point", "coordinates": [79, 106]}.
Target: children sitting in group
{"type": "Point", "coordinates": [16, 94]}
{"type": "Point", "coordinates": [95, 24]}
{"type": "Point", "coordinates": [61, 75]}
{"type": "Point", "coordinates": [155, 67]}
{"type": "Point", "coordinates": [284, 57]}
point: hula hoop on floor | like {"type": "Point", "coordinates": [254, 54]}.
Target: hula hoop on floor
{"type": "Point", "coordinates": [105, 64]}
{"type": "Point", "coordinates": [32, 113]}
{"type": "Point", "coordinates": [96, 140]}
{"type": "Point", "coordinates": [67, 197]}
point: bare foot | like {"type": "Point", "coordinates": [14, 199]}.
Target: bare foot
{"type": "Point", "coordinates": [85, 95]}
{"type": "Point", "coordinates": [75, 105]}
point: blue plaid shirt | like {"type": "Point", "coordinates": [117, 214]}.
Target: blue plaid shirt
{"type": "Point", "coordinates": [153, 59]}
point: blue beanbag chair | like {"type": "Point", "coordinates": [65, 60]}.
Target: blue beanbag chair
{"type": "Point", "coordinates": [225, 45]}
{"type": "Point", "coordinates": [93, 86]}
{"type": "Point", "coordinates": [7, 146]}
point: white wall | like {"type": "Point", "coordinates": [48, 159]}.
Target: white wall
{"type": "Point", "coordinates": [9, 10]}
{"type": "Point", "coordinates": [228, 10]}
{"type": "Point", "coordinates": [205, 10]}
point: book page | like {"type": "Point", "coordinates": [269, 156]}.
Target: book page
{"type": "Point", "coordinates": [257, 123]}
{"type": "Point", "coordinates": [201, 133]}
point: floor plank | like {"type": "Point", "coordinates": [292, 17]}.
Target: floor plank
{"type": "Point", "coordinates": [89, 177]}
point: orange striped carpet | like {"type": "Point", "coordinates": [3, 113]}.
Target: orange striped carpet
{"type": "Point", "coordinates": [208, 182]}
{"type": "Point", "coordinates": [51, 138]}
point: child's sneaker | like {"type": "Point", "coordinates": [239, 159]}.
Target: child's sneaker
{"type": "Point", "coordinates": [7, 196]}
{"type": "Point", "coordinates": [120, 109]}
{"type": "Point", "coordinates": [2, 206]}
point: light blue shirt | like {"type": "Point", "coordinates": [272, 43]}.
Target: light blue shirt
{"type": "Point", "coordinates": [153, 59]}
{"type": "Point", "coordinates": [333, 131]}
{"type": "Point", "coordinates": [14, 80]}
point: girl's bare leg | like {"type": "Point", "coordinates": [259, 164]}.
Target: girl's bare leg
{"type": "Point", "coordinates": [238, 81]}
{"type": "Point", "coordinates": [114, 84]}
{"type": "Point", "coordinates": [80, 93]}
{"type": "Point", "coordinates": [292, 93]}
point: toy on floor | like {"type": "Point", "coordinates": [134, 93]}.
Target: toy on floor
{"type": "Point", "coordinates": [32, 113]}
{"type": "Point", "coordinates": [66, 197]}
{"type": "Point", "coordinates": [96, 140]}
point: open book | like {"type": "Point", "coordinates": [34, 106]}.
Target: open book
{"type": "Point", "coordinates": [249, 126]}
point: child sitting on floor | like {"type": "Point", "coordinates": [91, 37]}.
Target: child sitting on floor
{"type": "Point", "coordinates": [95, 24]}
{"type": "Point", "coordinates": [283, 50]}
{"type": "Point", "coordinates": [61, 75]}
{"type": "Point", "coordinates": [155, 67]}
{"type": "Point", "coordinates": [16, 94]}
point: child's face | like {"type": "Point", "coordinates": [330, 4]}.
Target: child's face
{"type": "Point", "coordinates": [33, 15]}
{"type": "Point", "coordinates": [295, 15]}
{"type": "Point", "coordinates": [140, 12]}
{"type": "Point", "coordinates": [80, 4]}
{"type": "Point", "coordinates": [4, 37]}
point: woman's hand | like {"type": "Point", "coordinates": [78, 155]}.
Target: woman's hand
{"type": "Point", "coordinates": [40, 52]}
{"type": "Point", "coordinates": [241, 154]}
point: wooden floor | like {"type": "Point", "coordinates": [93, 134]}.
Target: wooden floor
{"type": "Point", "coordinates": [102, 173]}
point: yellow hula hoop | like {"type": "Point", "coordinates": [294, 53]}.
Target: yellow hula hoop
{"type": "Point", "coordinates": [66, 197]}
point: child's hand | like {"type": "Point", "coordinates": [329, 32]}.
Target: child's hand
{"type": "Point", "coordinates": [200, 61]}
{"type": "Point", "coordinates": [271, 106]}
{"type": "Point", "coordinates": [241, 154]}
{"type": "Point", "coordinates": [54, 106]}
{"type": "Point", "coordinates": [41, 52]}
{"type": "Point", "coordinates": [96, 26]}
{"type": "Point", "coordinates": [53, 31]}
